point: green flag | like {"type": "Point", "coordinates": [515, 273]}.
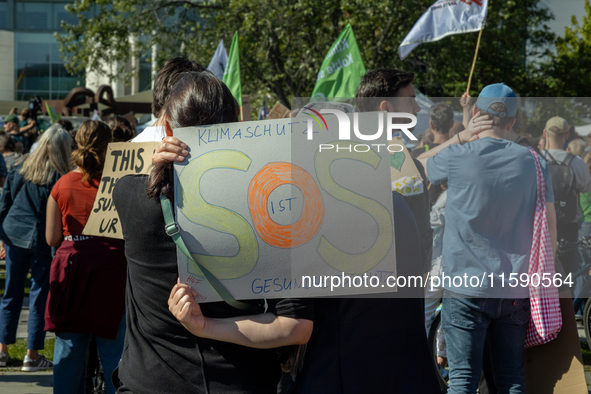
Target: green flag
{"type": "Point", "coordinates": [342, 68]}
{"type": "Point", "coordinates": [232, 71]}
{"type": "Point", "coordinates": [53, 116]}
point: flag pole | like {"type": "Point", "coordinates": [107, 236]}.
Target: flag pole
{"type": "Point", "coordinates": [474, 61]}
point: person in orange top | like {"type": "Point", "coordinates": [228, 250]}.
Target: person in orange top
{"type": "Point", "coordinates": [88, 274]}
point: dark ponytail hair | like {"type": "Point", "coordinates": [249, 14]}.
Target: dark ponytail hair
{"type": "Point", "coordinates": [121, 129]}
{"type": "Point", "coordinates": [199, 98]}
{"type": "Point", "coordinates": [92, 139]}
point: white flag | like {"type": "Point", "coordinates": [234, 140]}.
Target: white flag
{"type": "Point", "coordinates": [218, 62]}
{"type": "Point", "coordinates": [442, 19]}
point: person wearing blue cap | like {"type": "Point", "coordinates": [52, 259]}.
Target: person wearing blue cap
{"type": "Point", "coordinates": [489, 226]}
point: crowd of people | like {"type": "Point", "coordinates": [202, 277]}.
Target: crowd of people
{"type": "Point", "coordinates": [77, 283]}
{"type": "Point", "coordinates": [475, 216]}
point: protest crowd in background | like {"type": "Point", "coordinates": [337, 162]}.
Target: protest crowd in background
{"type": "Point", "coordinates": [298, 321]}
{"type": "Point", "coordinates": [493, 200]}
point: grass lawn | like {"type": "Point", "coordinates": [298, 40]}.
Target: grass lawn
{"type": "Point", "coordinates": [586, 354]}
{"type": "Point", "coordinates": [18, 350]}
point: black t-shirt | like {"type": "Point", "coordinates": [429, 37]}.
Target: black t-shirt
{"type": "Point", "coordinates": [374, 345]}
{"type": "Point", "coordinates": [421, 210]}
{"type": "Point", "coordinates": [160, 355]}
{"type": "Point", "coordinates": [434, 190]}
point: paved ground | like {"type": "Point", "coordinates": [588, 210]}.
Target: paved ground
{"type": "Point", "coordinates": [16, 382]}
{"type": "Point", "coordinates": [12, 381]}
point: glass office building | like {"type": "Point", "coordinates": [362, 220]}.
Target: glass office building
{"type": "Point", "coordinates": [38, 67]}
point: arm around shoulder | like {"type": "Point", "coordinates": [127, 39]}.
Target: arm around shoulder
{"type": "Point", "coordinates": [479, 124]}
{"type": "Point", "coordinates": [262, 331]}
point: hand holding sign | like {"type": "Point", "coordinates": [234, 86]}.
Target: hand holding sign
{"type": "Point", "coordinates": [170, 150]}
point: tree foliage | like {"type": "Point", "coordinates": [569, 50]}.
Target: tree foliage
{"type": "Point", "coordinates": [515, 37]}
{"type": "Point", "coordinates": [283, 43]}
{"type": "Point", "coordinates": [565, 73]}
{"type": "Point", "coordinates": [568, 72]}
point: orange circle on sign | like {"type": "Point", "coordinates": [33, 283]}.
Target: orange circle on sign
{"type": "Point", "coordinates": [269, 178]}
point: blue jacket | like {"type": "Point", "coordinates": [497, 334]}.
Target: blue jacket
{"type": "Point", "coordinates": [3, 170]}
{"type": "Point", "coordinates": [23, 218]}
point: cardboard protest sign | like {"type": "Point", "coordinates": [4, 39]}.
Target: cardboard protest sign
{"type": "Point", "coordinates": [272, 214]}
{"type": "Point", "coordinates": [279, 111]}
{"type": "Point", "coordinates": [405, 176]}
{"type": "Point", "coordinates": [245, 108]}
{"type": "Point", "coordinates": [123, 158]}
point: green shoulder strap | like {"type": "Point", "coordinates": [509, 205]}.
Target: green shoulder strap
{"type": "Point", "coordinates": [172, 230]}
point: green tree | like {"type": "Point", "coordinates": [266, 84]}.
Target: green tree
{"type": "Point", "coordinates": [514, 39]}
{"type": "Point", "coordinates": [568, 72]}
{"type": "Point", "coordinates": [564, 79]}
{"type": "Point", "coordinates": [283, 43]}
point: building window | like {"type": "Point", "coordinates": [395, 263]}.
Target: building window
{"type": "Point", "coordinates": [33, 16]}
{"type": "Point", "coordinates": [145, 77]}
{"type": "Point", "coordinates": [3, 15]}
{"type": "Point", "coordinates": [59, 10]}
{"type": "Point", "coordinates": [40, 71]}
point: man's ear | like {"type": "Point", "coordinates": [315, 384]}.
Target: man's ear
{"type": "Point", "coordinates": [384, 106]}
{"type": "Point", "coordinates": [167, 128]}
{"type": "Point", "coordinates": [545, 136]}
{"type": "Point", "coordinates": [431, 125]}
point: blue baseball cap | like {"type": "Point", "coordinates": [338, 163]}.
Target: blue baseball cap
{"type": "Point", "coordinates": [498, 93]}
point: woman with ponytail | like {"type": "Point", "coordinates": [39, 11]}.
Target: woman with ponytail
{"type": "Point", "coordinates": [88, 274]}
{"type": "Point", "coordinates": [218, 349]}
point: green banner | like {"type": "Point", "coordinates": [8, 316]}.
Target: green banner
{"type": "Point", "coordinates": [53, 116]}
{"type": "Point", "coordinates": [232, 71]}
{"type": "Point", "coordinates": [342, 68]}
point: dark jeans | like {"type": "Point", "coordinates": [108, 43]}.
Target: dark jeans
{"type": "Point", "coordinates": [467, 323]}
{"type": "Point", "coordinates": [18, 262]}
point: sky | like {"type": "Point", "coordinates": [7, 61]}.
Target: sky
{"type": "Point", "coordinates": [563, 11]}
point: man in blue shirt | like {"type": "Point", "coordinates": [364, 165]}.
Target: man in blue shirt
{"type": "Point", "coordinates": [489, 226]}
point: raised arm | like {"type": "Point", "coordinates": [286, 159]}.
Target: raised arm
{"type": "Point", "coordinates": [465, 104]}
{"type": "Point", "coordinates": [30, 126]}
{"type": "Point", "coordinates": [262, 331]}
